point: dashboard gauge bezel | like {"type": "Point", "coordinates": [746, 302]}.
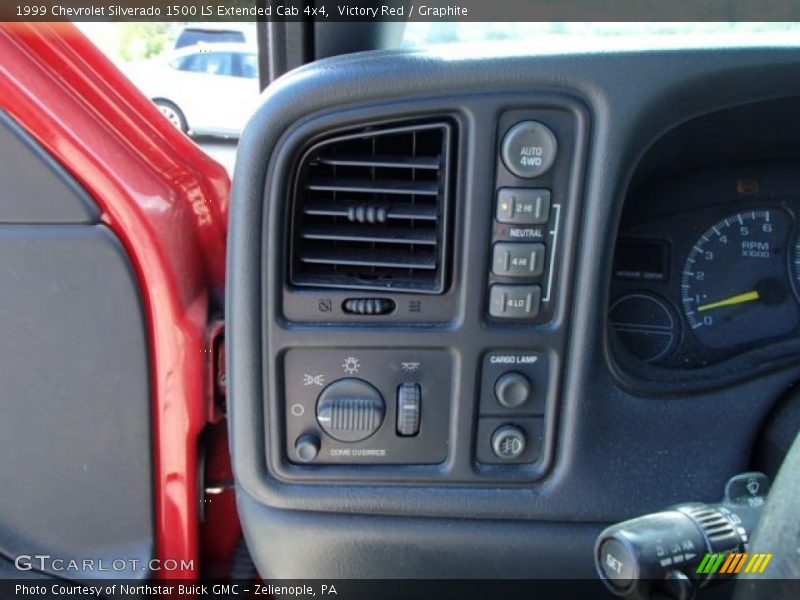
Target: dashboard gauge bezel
{"type": "Point", "coordinates": [677, 213]}
{"type": "Point", "coordinates": [747, 333]}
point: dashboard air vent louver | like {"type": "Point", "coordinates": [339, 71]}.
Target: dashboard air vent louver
{"type": "Point", "coordinates": [371, 210]}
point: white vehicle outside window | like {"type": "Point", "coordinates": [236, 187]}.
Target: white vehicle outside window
{"type": "Point", "coordinates": [203, 89]}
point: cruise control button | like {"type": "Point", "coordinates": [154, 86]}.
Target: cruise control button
{"type": "Point", "coordinates": [515, 259]}
{"type": "Point", "coordinates": [514, 301]}
{"type": "Point", "coordinates": [523, 206]}
{"type": "Point", "coordinates": [529, 149]}
{"type": "Point", "coordinates": [618, 564]}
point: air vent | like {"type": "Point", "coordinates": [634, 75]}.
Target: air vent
{"type": "Point", "coordinates": [371, 210]}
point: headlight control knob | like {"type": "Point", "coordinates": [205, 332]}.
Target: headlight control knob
{"type": "Point", "coordinates": [350, 410]}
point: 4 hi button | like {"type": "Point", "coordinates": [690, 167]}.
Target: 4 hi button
{"type": "Point", "coordinates": [529, 149]}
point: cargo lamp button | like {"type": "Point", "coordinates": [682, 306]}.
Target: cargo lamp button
{"type": "Point", "coordinates": [513, 389]}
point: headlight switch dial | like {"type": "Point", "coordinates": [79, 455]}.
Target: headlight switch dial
{"type": "Point", "coordinates": [350, 410]}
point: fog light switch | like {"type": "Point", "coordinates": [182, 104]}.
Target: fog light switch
{"type": "Point", "coordinates": [508, 442]}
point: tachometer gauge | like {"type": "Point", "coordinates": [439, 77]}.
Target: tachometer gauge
{"type": "Point", "coordinates": [735, 286]}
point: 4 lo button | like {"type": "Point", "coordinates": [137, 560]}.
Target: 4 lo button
{"type": "Point", "coordinates": [514, 301]}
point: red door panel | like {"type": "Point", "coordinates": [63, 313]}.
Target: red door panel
{"type": "Point", "coordinates": [166, 201]}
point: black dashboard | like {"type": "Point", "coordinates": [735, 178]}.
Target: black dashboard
{"type": "Point", "coordinates": [478, 307]}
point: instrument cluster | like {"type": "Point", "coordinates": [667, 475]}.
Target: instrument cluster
{"type": "Point", "coordinates": [707, 268]}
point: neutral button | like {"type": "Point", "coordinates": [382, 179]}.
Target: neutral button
{"type": "Point", "coordinates": [516, 259]}
{"type": "Point", "coordinates": [512, 390]}
{"type": "Point", "coordinates": [523, 206]}
{"type": "Point", "coordinates": [529, 149]}
{"type": "Point", "coordinates": [514, 301]}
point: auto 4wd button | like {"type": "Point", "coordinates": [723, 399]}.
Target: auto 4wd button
{"type": "Point", "coordinates": [529, 149]}
{"type": "Point", "coordinates": [514, 301]}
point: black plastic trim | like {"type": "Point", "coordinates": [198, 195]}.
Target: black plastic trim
{"type": "Point", "coordinates": [467, 334]}
{"type": "Point", "coordinates": [36, 189]}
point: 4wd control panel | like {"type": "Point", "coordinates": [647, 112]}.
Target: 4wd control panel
{"type": "Point", "coordinates": [531, 186]}
{"type": "Point", "coordinates": [417, 330]}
